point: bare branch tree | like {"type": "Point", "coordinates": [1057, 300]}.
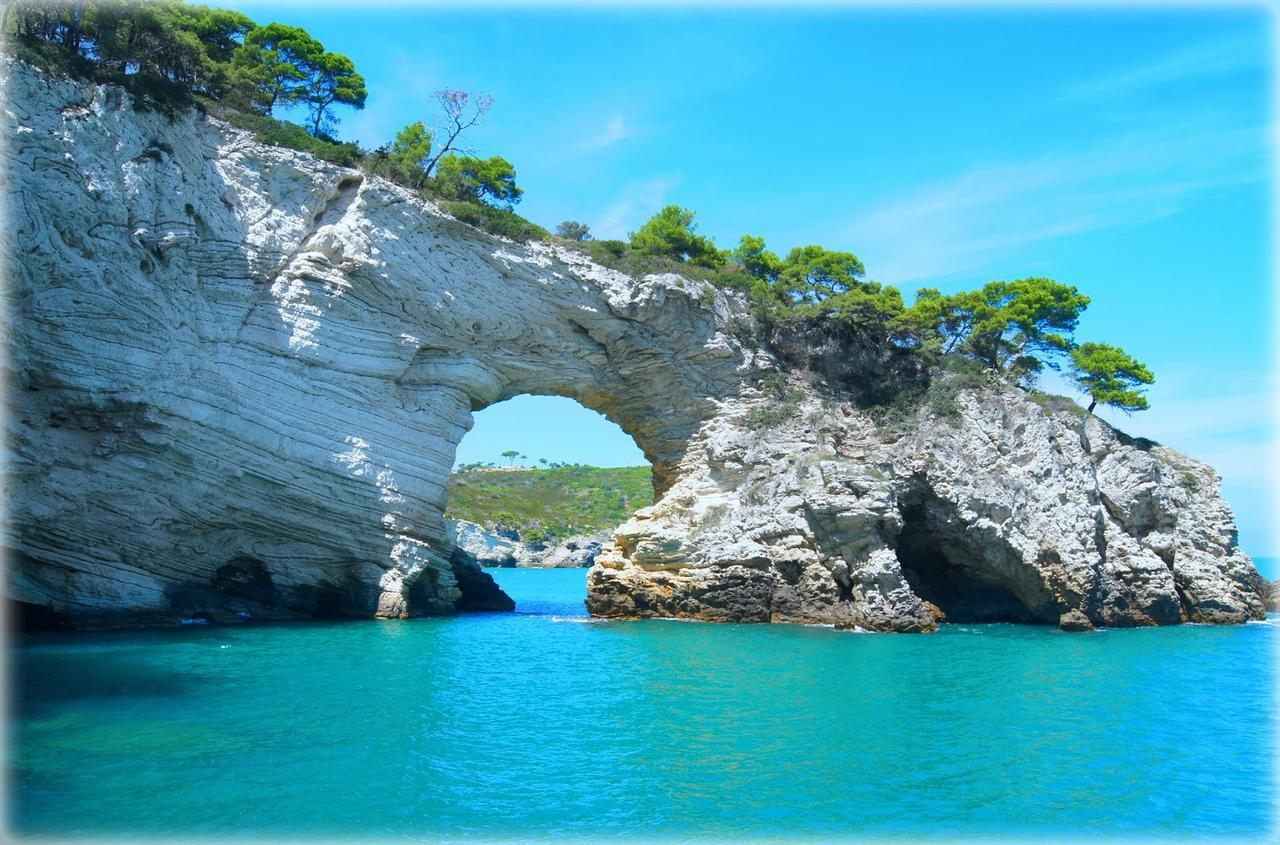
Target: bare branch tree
{"type": "Point", "coordinates": [461, 112]}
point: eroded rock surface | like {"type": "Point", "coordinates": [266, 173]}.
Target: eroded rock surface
{"type": "Point", "coordinates": [238, 376]}
{"type": "Point", "coordinates": [1007, 510]}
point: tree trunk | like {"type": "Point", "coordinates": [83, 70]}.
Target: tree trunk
{"type": "Point", "coordinates": [1093, 405]}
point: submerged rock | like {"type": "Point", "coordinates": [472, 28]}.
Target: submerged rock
{"type": "Point", "coordinates": [238, 376]}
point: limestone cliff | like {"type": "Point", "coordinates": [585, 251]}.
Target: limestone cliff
{"type": "Point", "coordinates": [238, 375]}
{"type": "Point", "coordinates": [1008, 509]}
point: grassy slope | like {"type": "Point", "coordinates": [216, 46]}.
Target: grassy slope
{"type": "Point", "coordinates": [557, 502]}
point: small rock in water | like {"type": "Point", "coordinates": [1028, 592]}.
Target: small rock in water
{"type": "Point", "coordinates": [1074, 620]}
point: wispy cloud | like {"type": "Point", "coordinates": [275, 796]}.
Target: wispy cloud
{"type": "Point", "coordinates": [989, 210]}
{"type": "Point", "coordinates": [611, 133]}
{"type": "Point", "coordinates": [1195, 61]}
{"type": "Point", "coordinates": [1202, 405]}
{"type": "Point", "coordinates": [633, 205]}
{"type": "Point", "coordinates": [1167, 159]}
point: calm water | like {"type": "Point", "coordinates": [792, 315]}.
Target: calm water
{"type": "Point", "coordinates": [543, 723]}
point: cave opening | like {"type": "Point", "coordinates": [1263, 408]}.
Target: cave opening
{"type": "Point", "coordinates": [952, 578]}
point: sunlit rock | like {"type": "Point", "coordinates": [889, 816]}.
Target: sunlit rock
{"type": "Point", "coordinates": [238, 377]}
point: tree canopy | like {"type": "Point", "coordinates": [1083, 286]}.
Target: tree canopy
{"type": "Point", "coordinates": [572, 230]}
{"type": "Point", "coordinates": [167, 53]}
{"type": "Point", "coordinates": [671, 233]}
{"type": "Point", "coordinates": [755, 260]}
{"type": "Point", "coordinates": [1108, 375]}
{"type": "Point", "coordinates": [331, 80]}
{"type": "Point", "coordinates": [270, 65]}
{"type": "Point", "coordinates": [1013, 326]}
{"type": "Point", "coordinates": [811, 274]}
{"type": "Point", "coordinates": [470, 179]}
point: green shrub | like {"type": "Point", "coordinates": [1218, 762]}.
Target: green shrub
{"type": "Point", "coordinates": [899, 414]}
{"type": "Point", "coordinates": [496, 221]}
{"type": "Point", "coordinates": [948, 376]}
{"type": "Point", "coordinates": [404, 173]}
{"type": "Point", "coordinates": [608, 253]}
{"type": "Point", "coordinates": [745, 332]}
{"type": "Point", "coordinates": [771, 414]}
{"type": "Point", "coordinates": [572, 230]}
{"type": "Point", "coordinates": [1054, 404]}
{"type": "Point", "coordinates": [281, 133]}
{"type": "Point", "coordinates": [618, 255]}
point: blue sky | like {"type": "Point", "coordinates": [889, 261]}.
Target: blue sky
{"type": "Point", "coordinates": [1123, 151]}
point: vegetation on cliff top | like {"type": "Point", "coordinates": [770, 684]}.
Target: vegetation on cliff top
{"type": "Point", "coordinates": [1012, 330]}
{"type": "Point", "coordinates": [171, 54]}
{"type": "Point", "coordinates": [555, 503]}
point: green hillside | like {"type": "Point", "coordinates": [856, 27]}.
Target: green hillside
{"type": "Point", "coordinates": [549, 503]}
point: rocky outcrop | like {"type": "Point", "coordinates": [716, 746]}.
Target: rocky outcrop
{"type": "Point", "coordinates": [485, 548]}
{"type": "Point", "coordinates": [578, 551]}
{"type": "Point", "coordinates": [238, 376]}
{"type": "Point", "coordinates": [1005, 509]}
{"type": "Point", "coordinates": [489, 549]}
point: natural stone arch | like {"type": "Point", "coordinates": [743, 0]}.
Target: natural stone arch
{"type": "Point", "coordinates": [457, 321]}
{"type": "Point", "coordinates": [294, 353]}
{"type": "Point", "coordinates": [239, 376]}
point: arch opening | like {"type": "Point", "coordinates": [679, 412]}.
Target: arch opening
{"type": "Point", "coordinates": [540, 482]}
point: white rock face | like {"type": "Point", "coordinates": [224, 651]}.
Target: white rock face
{"type": "Point", "coordinates": [238, 377]}
{"type": "Point", "coordinates": [487, 549]}
{"type": "Point", "coordinates": [239, 374]}
{"type": "Point", "coordinates": [493, 550]}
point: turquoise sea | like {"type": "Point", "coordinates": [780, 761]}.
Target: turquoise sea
{"type": "Point", "coordinates": [544, 723]}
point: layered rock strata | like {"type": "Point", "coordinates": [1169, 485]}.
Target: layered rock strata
{"type": "Point", "coordinates": [238, 376]}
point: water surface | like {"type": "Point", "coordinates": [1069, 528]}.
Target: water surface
{"type": "Point", "coordinates": [544, 723]}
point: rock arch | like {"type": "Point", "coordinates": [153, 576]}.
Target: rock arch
{"type": "Point", "coordinates": [243, 372]}
{"type": "Point", "coordinates": [238, 376]}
